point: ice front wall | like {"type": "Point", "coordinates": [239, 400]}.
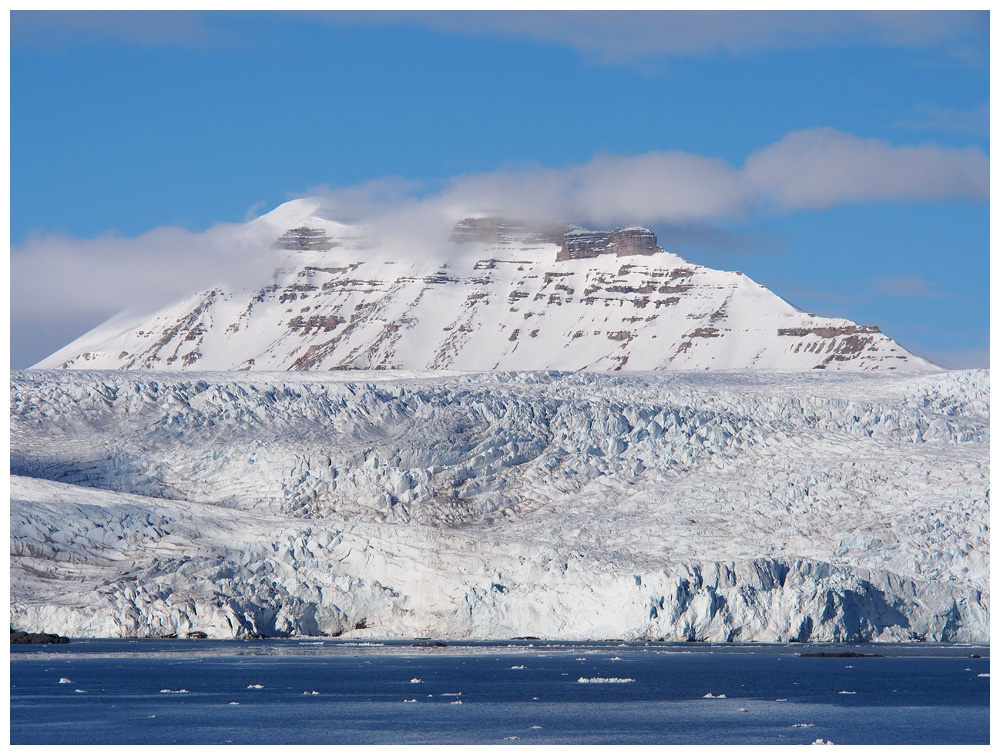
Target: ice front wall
{"type": "Point", "coordinates": [739, 506]}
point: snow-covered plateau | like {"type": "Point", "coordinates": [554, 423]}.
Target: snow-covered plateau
{"type": "Point", "coordinates": [721, 506]}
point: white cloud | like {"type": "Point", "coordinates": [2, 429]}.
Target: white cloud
{"type": "Point", "coordinates": [54, 274]}
{"type": "Point", "coordinates": [606, 36]}
{"type": "Point", "coordinates": [809, 169]}
{"type": "Point", "coordinates": [622, 36]}
{"type": "Point", "coordinates": [55, 29]}
{"type": "Point", "coordinates": [821, 167]}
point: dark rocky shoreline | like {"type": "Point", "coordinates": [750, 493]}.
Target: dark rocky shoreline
{"type": "Point", "coordinates": [36, 638]}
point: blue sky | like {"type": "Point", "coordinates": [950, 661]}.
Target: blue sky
{"type": "Point", "coordinates": [840, 159]}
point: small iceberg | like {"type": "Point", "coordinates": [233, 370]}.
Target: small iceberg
{"type": "Point", "coordinates": [255, 686]}
{"type": "Point", "coordinates": [173, 691]}
{"type": "Point", "coordinates": [604, 680]}
{"type": "Point", "coordinates": [64, 680]}
{"type": "Point", "coordinates": [512, 668]}
{"type": "Point", "coordinates": [982, 676]}
{"type": "Point", "coordinates": [821, 741]}
{"type": "Point", "coordinates": [456, 702]}
{"type": "Point", "coordinates": [414, 680]}
{"type": "Point", "coordinates": [411, 700]}
{"type": "Point", "coordinates": [710, 696]}
{"type": "Point", "coordinates": [802, 726]}
{"type": "Point", "coordinates": [845, 692]}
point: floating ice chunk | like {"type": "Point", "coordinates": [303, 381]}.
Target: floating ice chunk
{"type": "Point", "coordinates": [255, 686]}
{"type": "Point", "coordinates": [451, 694]}
{"type": "Point", "coordinates": [741, 710]}
{"type": "Point", "coordinates": [986, 676]}
{"type": "Point", "coordinates": [173, 691]}
{"type": "Point", "coordinates": [456, 702]}
{"type": "Point", "coordinates": [64, 680]}
{"type": "Point", "coordinates": [234, 703]}
{"type": "Point", "coordinates": [414, 680]}
{"type": "Point", "coordinates": [516, 667]}
{"type": "Point", "coordinates": [79, 690]}
{"type": "Point", "coordinates": [604, 680]}
{"type": "Point", "coordinates": [536, 727]}
{"type": "Point", "coordinates": [710, 696]}
{"type": "Point", "coordinates": [802, 726]}
{"type": "Point", "coordinates": [616, 658]}
{"type": "Point", "coordinates": [845, 692]}
{"type": "Point", "coordinates": [411, 700]}
{"type": "Point", "coordinates": [821, 741]}
{"type": "Point", "coordinates": [307, 692]}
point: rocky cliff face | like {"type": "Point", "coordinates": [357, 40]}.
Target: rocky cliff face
{"type": "Point", "coordinates": [580, 244]}
{"type": "Point", "coordinates": [498, 296]}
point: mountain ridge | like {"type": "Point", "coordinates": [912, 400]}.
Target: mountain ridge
{"type": "Point", "coordinates": [494, 294]}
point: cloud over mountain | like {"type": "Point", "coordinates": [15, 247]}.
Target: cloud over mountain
{"type": "Point", "coordinates": [57, 276]}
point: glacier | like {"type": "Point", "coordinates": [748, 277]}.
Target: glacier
{"type": "Point", "coordinates": [708, 506]}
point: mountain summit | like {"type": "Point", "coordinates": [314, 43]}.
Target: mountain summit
{"type": "Point", "coordinates": [495, 295]}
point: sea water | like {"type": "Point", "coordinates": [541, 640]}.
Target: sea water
{"type": "Point", "coordinates": [526, 692]}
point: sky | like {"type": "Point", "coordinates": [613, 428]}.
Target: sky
{"type": "Point", "coordinates": [839, 158]}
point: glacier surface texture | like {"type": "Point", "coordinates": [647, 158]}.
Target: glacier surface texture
{"type": "Point", "coordinates": [721, 506]}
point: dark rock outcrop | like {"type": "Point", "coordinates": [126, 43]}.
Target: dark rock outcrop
{"type": "Point", "coordinates": [36, 638]}
{"type": "Point", "coordinates": [304, 239]}
{"type": "Point", "coordinates": [581, 244]}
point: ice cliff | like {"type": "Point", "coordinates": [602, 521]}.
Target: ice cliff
{"type": "Point", "coordinates": [721, 506]}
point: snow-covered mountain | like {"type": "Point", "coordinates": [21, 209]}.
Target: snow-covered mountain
{"type": "Point", "coordinates": [741, 505]}
{"type": "Point", "coordinates": [493, 295]}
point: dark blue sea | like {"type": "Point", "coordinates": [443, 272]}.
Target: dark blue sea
{"type": "Point", "coordinates": [335, 692]}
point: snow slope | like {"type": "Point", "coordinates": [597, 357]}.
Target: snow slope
{"type": "Point", "coordinates": [747, 505]}
{"type": "Point", "coordinates": [490, 296]}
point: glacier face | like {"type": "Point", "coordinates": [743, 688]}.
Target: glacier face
{"type": "Point", "coordinates": [745, 505]}
{"type": "Point", "coordinates": [492, 296]}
